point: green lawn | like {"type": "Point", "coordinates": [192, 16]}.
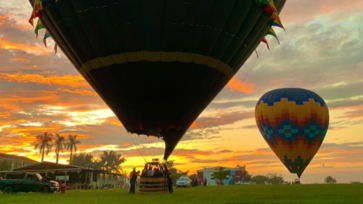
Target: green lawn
{"type": "Point", "coordinates": [288, 194]}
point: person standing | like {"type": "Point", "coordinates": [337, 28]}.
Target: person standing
{"type": "Point", "coordinates": [133, 178]}
{"type": "Point", "coordinates": [205, 182]}
{"type": "Point", "coordinates": [196, 182]}
{"type": "Point", "coordinates": [170, 183]}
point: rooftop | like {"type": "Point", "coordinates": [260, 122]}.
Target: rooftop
{"type": "Point", "coordinates": [16, 158]}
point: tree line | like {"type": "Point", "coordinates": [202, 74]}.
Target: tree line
{"type": "Point", "coordinates": [108, 161]}
{"type": "Point", "coordinates": [221, 174]}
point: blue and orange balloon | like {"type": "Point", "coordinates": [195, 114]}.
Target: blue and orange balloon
{"type": "Point", "coordinates": [294, 123]}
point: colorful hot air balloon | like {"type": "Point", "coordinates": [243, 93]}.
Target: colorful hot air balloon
{"type": "Point", "coordinates": [293, 122]}
{"type": "Point", "coordinates": [158, 63]}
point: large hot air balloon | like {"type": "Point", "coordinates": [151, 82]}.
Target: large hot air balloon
{"type": "Point", "coordinates": [293, 122]}
{"type": "Point", "coordinates": [158, 63]}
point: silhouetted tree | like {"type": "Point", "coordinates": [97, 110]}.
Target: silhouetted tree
{"type": "Point", "coordinates": [59, 146]}
{"type": "Point", "coordinates": [259, 179]}
{"type": "Point", "coordinates": [221, 174]}
{"type": "Point", "coordinates": [193, 176]}
{"type": "Point", "coordinates": [112, 161]}
{"type": "Point", "coordinates": [170, 164]}
{"type": "Point", "coordinates": [44, 144]}
{"type": "Point", "coordinates": [175, 174]}
{"type": "Point", "coordinates": [247, 176]}
{"type": "Point", "coordinates": [72, 145]}
{"type": "Point", "coordinates": [84, 160]}
{"type": "Point", "coordinates": [330, 180]}
{"type": "Point", "coordinates": [275, 178]}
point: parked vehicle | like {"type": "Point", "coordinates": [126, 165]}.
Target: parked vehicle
{"type": "Point", "coordinates": [183, 181]}
{"type": "Point", "coordinates": [242, 183]}
{"type": "Point", "coordinates": [27, 182]}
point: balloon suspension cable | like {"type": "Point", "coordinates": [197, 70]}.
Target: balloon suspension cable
{"type": "Point", "coordinates": [220, 110]}
{"type": "Point", "coordinates": [157, 150]}
{"type": "Point", "coordinates": [161, 151]}
{"type": "Point", "coordinates": [137, 147]}
{"type": "Point", "coordinates": [142, 148]}
{"type": "Point", "coordinates": [158, 147]}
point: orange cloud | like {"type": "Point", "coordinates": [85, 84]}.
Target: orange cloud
{"type": "Point", "coordinates": [27, 130]}
{"type": "Point", "coordinates": [296, 11]}
{"type": "Point", "coordinates": [79, 92]}
{"type": "Point", "coordinates": [38, 50]}
{"type": "Point", "coordinates": [5, 114]}
{"type": "Point", "coordinates": [4, 19]}
{"type": "Point", "coordinates": [20, 98]}
{"type": "Point", "coordinates": [20, 59]}
{"type": "Point", "coordinates": [117, 123]}
{"type": "Point", "coordinates": [66, 80]}
{"type": "Point", "coordinates": [235, 84]}
{"type": "Point", "coordinates": [113, 121]}
{"type": "Point", "coordinates": [222, 119]}
{"type": "Point", "coordinates": [351, 112]}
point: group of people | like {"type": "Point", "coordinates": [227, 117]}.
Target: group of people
{"type": "Point", "coordinates": [195, 182]}
{"type": "Point", "coordinates": [150, 172]}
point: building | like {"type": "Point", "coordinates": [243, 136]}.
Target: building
{"type": "Point", "coordinates": [75, 176]}
{"type": "Point", "coordinates": [237, 174]}
{"type": "Point", "coordinates": [8, 162]}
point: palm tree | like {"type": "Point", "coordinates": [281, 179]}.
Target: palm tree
{"type": "Point", "coordinates": [111, 161]}
{"type": "Point", "coordinates": [106, 160]}
{"type": "Point", "coordinates": [59, 145]}
{"type": "Point", "coordinates": [72, 145]}
{"type": "Point", "coordinates": [84, 160]}
{"type": "Point", "coordinates": [116, 163]}
{"type": "Point", "coordinates": [43, 144]}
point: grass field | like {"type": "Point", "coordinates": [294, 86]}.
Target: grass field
{"type": "Point", "coordinates": [286, 194]}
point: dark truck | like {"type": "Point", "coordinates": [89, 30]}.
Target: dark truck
{"type": "Point", "coordinates": [27, 182]}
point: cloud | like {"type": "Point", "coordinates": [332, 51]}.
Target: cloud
{"type": "Point", "coordinates": [67, 80]}
{"type": "Point", "coordinates": [9, 27]}
{"type": "Point", "coordinates": [345, 103]}
{"type": "Point", "coordinates": [224, 151]}
{"type": "Point", "coordinates": [232, 104]}
{"type": "Point", "coordinates": [235, 84]}
{"type": "Point", "coordinates": [299, 12]}
{"type": "Point", "coordinates": [8, 45]}
{"type": "Point", "coordinates": [221, 119]}
{"type": "Point", "coordinates": [344, 122]}
{"type": "Point", "coordinates": [249, 127]}
{"type": "Point", "coordinates": [354, 114]}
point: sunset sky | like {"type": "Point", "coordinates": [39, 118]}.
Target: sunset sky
{"type": "Point", "coordinates": [321, 50]}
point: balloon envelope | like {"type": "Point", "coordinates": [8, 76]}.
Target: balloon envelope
{"type": "Point", "coordinates": [294, 123]}
{"type": "Point", "coordinates": [157, 63]}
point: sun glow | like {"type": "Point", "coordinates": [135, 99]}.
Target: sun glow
{"type": "Point", "coordinates": [95, 117]}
